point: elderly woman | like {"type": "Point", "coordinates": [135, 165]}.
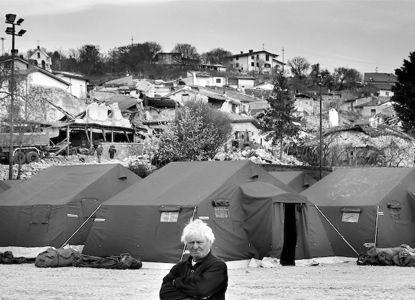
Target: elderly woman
{"type": "Point", "coordinates": [202, 275]}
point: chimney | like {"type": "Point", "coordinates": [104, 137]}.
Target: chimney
{"type": "Point", "coordinates": [242, 52]}
{"type": "Point", "coordinates": [250, 50]}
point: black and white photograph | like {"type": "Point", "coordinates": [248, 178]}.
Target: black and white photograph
{"type": "Point", "coordinates": [207, 149]}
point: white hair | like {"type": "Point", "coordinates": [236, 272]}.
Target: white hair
{"type": "Point", "coordinates": [198, 227]}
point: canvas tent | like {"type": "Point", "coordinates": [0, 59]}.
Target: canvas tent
{"type": "Point", "coordinates": [244, 205]}
{"type": "Point", "coordinates": [298, 180]}
{"type": "Point", "coordinates": [367, 205]}
{"type": "Point", "coordinates": [48, 208]}
{"type": "Point", "coordinates": [3, 186]}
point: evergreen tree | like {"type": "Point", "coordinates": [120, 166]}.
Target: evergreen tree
{"type": "Point", "coordinates": [404, 93]}
{"type": "Point", "coordinates": [279, 119]}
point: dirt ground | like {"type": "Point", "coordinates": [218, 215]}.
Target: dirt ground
{"type": "Point", "coordinates": [342, 280]}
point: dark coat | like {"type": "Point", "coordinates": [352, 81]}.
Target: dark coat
{"type": "Point", "coordinates": [207, 279]}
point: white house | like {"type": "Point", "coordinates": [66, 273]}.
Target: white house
{"type": "Point", "coordinates": [41, 59]}
{"type": "Point", "coordinates": [41, 77]}
{"type": "Point", "coordinates": [257, 61]}
{"type": "Point", "coordinates": [204, 79]}
{"type": "Point", "coordinates": [245, 130]}
{"type": "Point", "coordinates": [77, 83]}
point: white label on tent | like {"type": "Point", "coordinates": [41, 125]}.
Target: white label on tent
{"type": "Point", "coordinates": [72, 216]}
{"type": "Point", "coordinates": [350, 217]}
{"type": "Point", "coordinates": [380, 213]}
{"type": "Point", "coordinates": [204, 217]}
{"type": "Point", "coordinates": [99, 220]}
{"type": "Point", "coordinates": [169, 216]}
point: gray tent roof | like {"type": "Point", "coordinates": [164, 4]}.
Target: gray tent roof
{"type": "Point", "coordinates": [358, 186]}
{"type": "Point", "coordinates": [60, 184]}
{"type": "Point", "coordinates": [189, 183]}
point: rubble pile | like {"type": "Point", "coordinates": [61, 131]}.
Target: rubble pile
{"type": "Point", "coordinates": [259, 156]}
{"type": "Point", "coordinates": [29, 170]}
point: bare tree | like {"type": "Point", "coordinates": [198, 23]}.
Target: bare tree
{"type": "Point", "coordinates": [299, 66]}
{"type": "Point", "coordinates": [187, 50]}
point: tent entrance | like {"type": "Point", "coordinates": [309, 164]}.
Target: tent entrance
{"type": "Point", "coordinates": [290, 235]}
{"type": "Point", "coordinates": [285, 232]}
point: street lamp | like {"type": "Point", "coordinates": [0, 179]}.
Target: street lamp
{"type": "Point", "coordinates": [10, 19]}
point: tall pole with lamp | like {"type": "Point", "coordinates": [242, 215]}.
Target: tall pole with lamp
{"type": "Point", "coordinates": [11, 19]}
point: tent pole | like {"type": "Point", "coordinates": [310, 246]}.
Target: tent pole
{"type": "Point", "coordinates": [338, 232]}
{"type": "Point", "coordinates": [184, 246]}
{"type": "Point", "coordinates": [79, 228]}
{"type": "Point", "coordinates": [376, 225]}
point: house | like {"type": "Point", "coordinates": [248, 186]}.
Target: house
{"type": "Point", "coordinates": [215, 67]}
{"type": "Point", "coordinates": [245, 131]}
{"type": "Point", "coordinates": [265, 86]}
{"type": "Point", "coordinates": [78, 84]}
{"type": "Point", "coordinates": [373, 107]}
{"type": "Point", "coordinates": [204, 79]}
{"type": "Point", "coordinates": [241, 82]}
{"type": "Point", "coordinates": [255, 61]}
{"type": "Point", "coordinates": [41, 59]}
{"type": "Point", "coordinates": [305, 104]}
{"type": "Point", "coordinates": [383, 82]}
{"type": "Point", "coordinates": [167, 58]}
{"type": "Point", "coordinates": [173, 58]}
{"type": "Point", "coordinates": [364, 145]}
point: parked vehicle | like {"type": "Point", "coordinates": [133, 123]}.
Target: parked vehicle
{"type": "Point", "coordinates": [27, 146]}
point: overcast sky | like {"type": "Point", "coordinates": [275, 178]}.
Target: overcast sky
{"type": "Point", "coordinates": [367, 35]}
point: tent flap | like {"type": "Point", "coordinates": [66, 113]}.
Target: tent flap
{"type": "Point", "coordinates": [259, 189]}
{"type": "Point", "coordinates": [168, 208]}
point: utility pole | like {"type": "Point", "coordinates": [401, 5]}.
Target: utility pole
{"type": "Point", "coordinates": [2, 46]}
{"type": "Point", "coordinates": [283, 63]}
{"type": "Point", "coordinates": [10, 19]}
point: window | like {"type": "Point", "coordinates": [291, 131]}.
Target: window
{"type": "Point", "coordinates": [257, 64]}
{"type": "Point", "coordinates": [221, 208]}
{"type": "Point", "coordinates": [222, 212]}
{"type": "Point", "coordinates": [169, 213]}
{"type": "Point", "coordinates": [169, 216]}
{"type": "Point", "coordinates": [252, 64]}
{"type": "Point", "coordinates": [236, 65]}
{"type": "Point", "coordinates": [350, 215]}
{"type": "Point", "coordinates": [394, 210]}
{"type": "Point", "coordinates": [218, 80]}
{"type": "Point", "coordinates": [267, 65]}
{"type": "Point", "coordinates": [38, 55]}
{"type": "Point", "coordinates": [237, 58]}
{"type": "Point", "coordinates": [267, 57]}
{"type": "Point", "coordinates": [253, 57]}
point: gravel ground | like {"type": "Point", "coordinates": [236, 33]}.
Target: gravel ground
{"type": "Point", "coordinates": [325, 281]}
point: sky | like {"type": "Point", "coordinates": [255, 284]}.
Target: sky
{"type": "Point", "coordinates": [367, 35]}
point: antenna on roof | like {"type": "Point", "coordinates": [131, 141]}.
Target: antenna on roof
{"type": "Point", "coordinates": [376, 69]}
{"type": "Point", "coordinates": [263, 46]}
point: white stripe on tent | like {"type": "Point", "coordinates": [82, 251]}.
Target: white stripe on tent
{"type": "Point", "coordinates": [334, 227]}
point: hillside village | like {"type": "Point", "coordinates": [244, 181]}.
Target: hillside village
{"type": "Point", "coordinates": [359, 126]}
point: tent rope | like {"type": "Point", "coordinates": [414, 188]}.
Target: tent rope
{"type": "Point", "coordinates": [82, 225]}
{"type": "Point", "coordinates": [334, 227]}
{"type": "Point", "coordinates": [376, 225]}
{"type": "Point", "coordinates": [185, 244]}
